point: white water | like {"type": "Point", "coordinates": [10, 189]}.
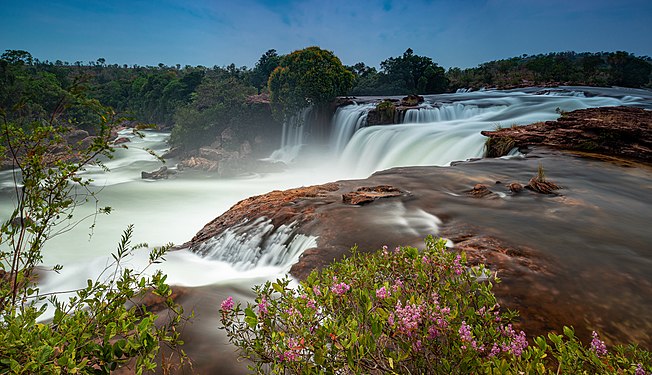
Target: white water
{"type": "Point", "coordinates": [174, 210]}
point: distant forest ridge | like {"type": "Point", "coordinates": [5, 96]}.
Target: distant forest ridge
{"type": "Point", "coordinates": [199, 99]}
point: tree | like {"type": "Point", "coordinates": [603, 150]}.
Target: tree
{"type": "Point", "coordinates": [311, 76]}
{"type": "Point", "coordinates": [264, 67]}
{"type": "Point", "coordinates": [414, 74]}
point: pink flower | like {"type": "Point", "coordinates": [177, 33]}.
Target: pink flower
{"type": "Point", "coordinates": [640, 370]}
{"type": "Point", "coordinates": [597, 345]}
{"type": "Point", "coordinates": [262, 306]}
{"type": "Point", "coordinates": [457, 267]}
{"type": "Point", "coordinates": [382, 293]}
{"type": "Point", "coordinates": [227, 304]}
{"type": "Point", "coordinates": [398, 284]}
{"type": "Point", "coordinates": [340, 288]}
{"type": "Point", "coordinates": [311, 304]}
{"type": "Point", "coordinates": [315, 289]}
{"type": "Point", "coordinates": [407, 318]}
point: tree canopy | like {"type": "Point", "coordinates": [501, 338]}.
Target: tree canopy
{"type": "Point", "coordinates": [311, 76]}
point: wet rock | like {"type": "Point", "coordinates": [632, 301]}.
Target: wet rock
{"type": "Point", "coordinates": [200, 164]}
{"type": "Point", "coordinates": [76, 135]}
{"type": "Point", "coordinates": [159, 174]}
{"type": "Point", "coordinates": [282, 207]}
{"type": "Point", "coordinates": [174, 152]}
{"type": "Point", "coordinates": [541, 185]}
{"type": "Point", "coordinates": [481, 191]}
{"type": "Point", "coordinates": [121, 140]}
{"type": "Point", "coordinates": [515, 187]}
{"type": "Point", "coordinates": [617, 131]}
{"type": "Point", "coordinates": [210, 153]}
{"type": "Point", "coordinates": [411, 101]}
{"type": "Point", "coordinates": [366, 195]}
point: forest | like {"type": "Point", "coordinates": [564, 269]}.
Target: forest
{"type": "Point", "coordinates": [198, 102]}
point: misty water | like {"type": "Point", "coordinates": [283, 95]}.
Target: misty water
{"type": "Point", "coordinates": [444, 129]}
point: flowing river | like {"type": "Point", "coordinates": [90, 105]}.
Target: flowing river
{"type": "Point", "coordinates": [444, 129]}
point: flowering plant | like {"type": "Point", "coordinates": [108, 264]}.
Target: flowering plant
{"type": "Point", "coordinates": [402, 311]}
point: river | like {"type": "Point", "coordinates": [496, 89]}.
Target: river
{"type": "Point", "coordinates": [445, 129]}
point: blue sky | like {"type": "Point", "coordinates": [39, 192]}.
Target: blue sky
{"type": "Point", "coordinates": [460, 33]}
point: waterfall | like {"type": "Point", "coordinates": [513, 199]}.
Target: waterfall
{"type": "Point", "coordinates": [257, 243]}
{"type": "Point", "coordinates": [346, 121]}
{"type": "Point", "coordinates": [295, 132]}
{"type": "Point", "coordinates": [446, 112]}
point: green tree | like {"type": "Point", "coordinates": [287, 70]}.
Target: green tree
{"type": "Point", "coordinates": [311, 76]}
{"type": "Point", "coordinates": [414, 74]}
{"type": "Point", "coordinates": [264, 67]}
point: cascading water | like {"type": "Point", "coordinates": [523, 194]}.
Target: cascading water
{"type": "Point", "coordinates": [257, 244]}
{"type": "Point", "coordinates": [295, 134]}
{"type": "Point", "coordinates": [446, 112]}
{"type": "Point", "coordinates": [346, 121]}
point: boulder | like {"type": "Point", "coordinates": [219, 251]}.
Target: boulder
{"type": "Point", "coordinates": [411, 101]}
{"type": "Point", "coordinates": [121, 140]}
{"type": "Point", "coordinates": [200, 163]}
{"type": "Point", "coordinates": [159, 174]}
{"type": "Point", "coordinates": [366, 194]}
{"type": "Point", "coordinates": [76, 135]}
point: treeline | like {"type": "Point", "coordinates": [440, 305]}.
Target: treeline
{"type": "Point", "coordinates": [562, 68]}
{"type": "Point", "coordinates": [199, 102]}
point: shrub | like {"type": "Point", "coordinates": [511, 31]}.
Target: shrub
{"type": "Point", "coordinates": [104, 325]}
{"type": "Point", "coordinates": [403, 311]}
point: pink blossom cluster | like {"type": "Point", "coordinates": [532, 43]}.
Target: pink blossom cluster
{"type": "Point", "coordinates": [227, 304]}
{"type": "Point", "coordinates": [518, 341]}
{"type": "Point", "coordinates": [640, 370]}
{"type": "Point", "coordinates": [262, 306]}
{"type": "Point", "coordinates": [340, 288]}
{"type": "Point", "coordinates": [457, 267]}
{"type": "Point", "coordinates": [293, 353]}
{"type": "Point", "coordinates": [597, 345]}
{"type": "Point", "coordinates": [406, 319]}
{"type": "Point", "coordinates": [382, 293]}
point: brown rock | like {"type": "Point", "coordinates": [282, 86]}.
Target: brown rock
{"type": "Point", "coordinates": [280, 206]}
{"type": "Point", "coordinates": [200, 163]}
{"type": "Point", "coordinates": [411, 101]}
{"type": "Point", "coordinates": [366, 195]}
{"type": "Point", "coordinates": [159, 174]}
{"type": "Point", "coordinates": [481, 191]}
{"type": "Point", "coordinates": [617, 131]}
{"type": "Point", "coordinates": [515, 187]}
{"type": "Point", "coordinates": [121, 140]}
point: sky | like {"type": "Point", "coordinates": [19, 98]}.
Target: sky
{"type": "Point", "coordinates": [462, 33]}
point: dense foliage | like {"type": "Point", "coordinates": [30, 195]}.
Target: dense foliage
{"type": "Point", "coordinates": [311, 76]}
{"type": "Point", "coordinates": [104, 325]}
{"type": "Point", "coordinates": [201, 102]}
{"type": "Point", "coordinates": [406, 74]}
{"type": "Point", "coordinates": [564, 68]}
{"type": "Point", "coordinates": [405, 312]}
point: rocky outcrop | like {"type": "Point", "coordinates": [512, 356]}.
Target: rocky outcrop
{"type": "Point", "coordinates": [282, 207]}
{"type": "Point", "coordinates": [616, 131]}
{"type": "Point", "coordinates": [159, 174]}
{"type": "Point", "coordinates": [366, 194]}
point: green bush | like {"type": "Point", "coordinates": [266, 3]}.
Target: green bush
{"type": "Point", "coordinates": [404, 311]}
{"type": "Point", "coordinates": [105, 325]}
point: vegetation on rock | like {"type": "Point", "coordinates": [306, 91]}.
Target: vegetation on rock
{"type": "Point", "coordinates": [405, 311]}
